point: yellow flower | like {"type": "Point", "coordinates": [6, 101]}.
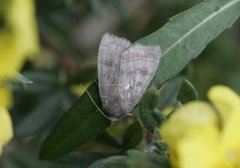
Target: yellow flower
{"type": "Point", "coordinates": [10, 58]}
{"type": "Point", "coordinates": [200, 137]}
{"type": "Point", "coordinates": [228, 105]}
{"type": "Point", "coordinates": [18, 35]}
{"type": "Point", "coordinates": [21, 18]}
{"type": "Point", "coordinates": [5, 96]}
{"type": "Point", "coordinates": [18, 41]}
{"type": "Point", "coordinates": [6, 130]}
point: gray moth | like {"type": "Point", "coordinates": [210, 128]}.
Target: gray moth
{"type": "Point", "coordinates": [124, 72]}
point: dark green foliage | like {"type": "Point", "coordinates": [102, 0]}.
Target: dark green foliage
{"type": "Point", "coordinates": [106, 138]}
{"type": "Point", "coordinates": [145, 159]}
{"type": "Point", "coordinates": [150, 111]}
{"type": "Point", "coordinates": [147, 109]}
{"type": "Point", "coordinates": [86, 122]}
{"type": "Point", "coordinates": [187, 92]}
{"type": "Point", "coordinates": [132, 136]}
{"type": "Point", "coordinates": [169, 92]}
{"type": "Point", "coordinates": [132, 160]}
{"type": "Point", "coordinates": [47, 111]}
{"type": "Point", "coordinates": [114, 161]}
{"type": "Point", "coordinates": [84, 76]}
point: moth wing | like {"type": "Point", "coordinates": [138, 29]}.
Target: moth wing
{"type": "Point", "coordinates": [109, 57]}
{"type": "Point", "coordinates": [139, 64]}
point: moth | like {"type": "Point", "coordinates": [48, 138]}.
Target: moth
{"type": "Point", "coordinates": [124, 72]}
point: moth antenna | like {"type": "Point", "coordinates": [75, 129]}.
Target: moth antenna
{"type": "Point", "coordinates": [98, 108]}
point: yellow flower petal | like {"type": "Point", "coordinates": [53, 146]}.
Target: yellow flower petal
{"type": "Point", "coordinates": [10, 58]}
{"type": "Point", "coordinates": [201, 150]}
{"type": "Point", "coordinates": [194, 118]}
{"type": "Point", "coordinates": [5, 96]}
{"type": "Point", "coordinates": [224, 99]}
{"type": "Point", "coordinates": [228, 104]}
{"type": "Point", "coordinates": [230, 135]}
{"type": "Point", "coordinates": [191, 116]}
{"type": "Point", "coordinates": [18, 37]}
{"type": "Point", "coordinates": [21, 18]}
{"type": "Point", "coordinates": [194, 137]}
{"type": "Point", "coordinates": [6, 130]}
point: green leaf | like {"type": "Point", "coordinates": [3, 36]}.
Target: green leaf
{"type": "Point", "coordinates": [42, 81]}
{"type": "Point", "coordinates": [96, 5]}
{"type": "Point", "coordinates": [76, 160]}
{"type": "Point", "coordinates": [22, 79]}
{"type": "Point", "coordinates": [146, 160]}
{"type": "Point", "coordinates": [80, 124]}
{"type": "Point", "coordinates": [181, 40]}
{"type": "Point", "coordinates": [106, 138]}
{"type": "Point", "coordinates": [147, 108]}
{"type": "Point", "coordinates": [188, 33]}
{"type": "Point", "coordinates": [111, 162]}
{"type": "Point", "coordinates": [169, 92]}
{"type": "Point", "coordinates": [132, 136]}
{"type": "Point", "coordinates": [187, 92]}
{"type": "Point", "coordinates": [42, 115]}
{"type": "Point", "coordinates": [20, 159]}
{"type": "Point", "coordinates": [132, 160]}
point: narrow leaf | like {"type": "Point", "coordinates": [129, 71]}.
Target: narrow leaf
{"type": "Point", "coordinates": [80, 124]}
{"type": "Point", "coordinates": [42, 81]}
{"type": "Point", "coordinates": [23, 79]}
{"type": "Point", "coordinates": [188, 33]}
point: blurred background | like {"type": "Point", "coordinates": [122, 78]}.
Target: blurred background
{"type": "Point", "coordinates": [70, 32]}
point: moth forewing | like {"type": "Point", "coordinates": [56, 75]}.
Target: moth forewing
{"type": "Point", "coordinates": [124, 73]}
